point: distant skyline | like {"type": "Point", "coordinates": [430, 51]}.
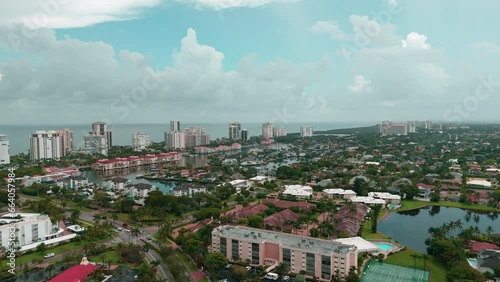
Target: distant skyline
{"type": "Point", "coordinates": [219, 61]}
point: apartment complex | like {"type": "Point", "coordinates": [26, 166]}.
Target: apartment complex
{"type": "Point", "coordinates": [29, 228]}
{"type": "Point", "coordinates": [140, 141]}
{"type": "Point", "coordinates": [317, 257]}
{"type": "Point", "coordinates": [279, 132]}
{"type": "Point", "coordinates": [234, 131]}
{"type": "Point", "coordinates": [99, 140]}
{"type": "Point", "coordinates": [45, 144]}
{"type": "Point", "coordinates": [67, 141]}
{"type": "Point", "coordinates": [196, 136]}
{"type": "Point", "coordinates": [4, 150]}
{"type": "Point", "coordinates": [175, 126]}
{"type": "Point", "coordinates": [190, 137]}
{"type": "Point", "coordinates": [267, 130]}
{"type": "Point", "coordinates": [306, 131]}
{"type": "Point", "coordinates": [244, 135]}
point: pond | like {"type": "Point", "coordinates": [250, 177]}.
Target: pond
{"type": "Point", "coordinates": [410, 228]}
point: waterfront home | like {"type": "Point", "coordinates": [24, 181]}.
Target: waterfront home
{"type": "Point", "coordinates": [117, 183]}
{"type": "Point", "coordinates": [134, 161]}
{"type": "Point", "coordinates": [480, 198]}
{"type": "Point", "coordinates": [476, 247]}
{"type": "Point", "coordinates": [140, 190]}
{"type": "Point", "coordinates": [387, 197]}
{"type": "Point", "coordinates": [488, 260]}
{"type": "Point", "coordinates": [188, 190]}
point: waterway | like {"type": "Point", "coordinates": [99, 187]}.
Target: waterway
{"type": "Point", "coordinates": [410, 228]}
{"type": "Point", "coordinates": [99, 177]}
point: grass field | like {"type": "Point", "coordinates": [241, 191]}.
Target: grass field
{"type": "Point", "coordinates": [403, 258]}
{"type": "Point", "coordinates": [410, 205]}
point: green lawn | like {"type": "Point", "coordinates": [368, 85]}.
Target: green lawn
{"type": "Point", "coordinates": [185, 259]}
{"type": "Point", "coordinates": [436, 268]}
{"type": "Point", "coordinates": [59, 249]}
{"type": "Point", "coordinates": [410, 205]}
{"type": "Point", "coordinates": [110, 256]}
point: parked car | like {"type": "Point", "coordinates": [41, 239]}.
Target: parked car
{"type": "Point", "coordinates": [286, 278]}
{"type": "Point", "coordinates": [229, 266]}
{"type": "Point", "coordinates": [49, 255]}
{"type": "Point", "coordinates": [249, 268]}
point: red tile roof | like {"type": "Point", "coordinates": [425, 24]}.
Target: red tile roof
{"type": "Point", "coordinates": [77, 273]}
{"type": "Point", "coordinates": [477, 246]}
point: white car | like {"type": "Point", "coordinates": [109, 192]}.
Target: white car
{"type": "Point", "coordinates": [286, 278]}
{"type": "Point", "coordinates": [249, 268]}
{"type": "Point", "coordinates": [49, 255]}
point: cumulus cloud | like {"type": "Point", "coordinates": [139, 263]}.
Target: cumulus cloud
{"type": "Point", "coordinates": [68, 73]}
{"type": "Point", "coordinates": [227, 4]}
{"type": "Point", "coordinates": [415, 40]}
{"type": "Point", "coordinates": [70, 14]}
{"type": "Point", "coordinates": [360, 85]}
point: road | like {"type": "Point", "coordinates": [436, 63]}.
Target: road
{"type": "Point", "coordinates": [124, 236]}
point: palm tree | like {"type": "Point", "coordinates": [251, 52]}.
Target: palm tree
{"type": "Point", "coordinates": [489, 231]}
{"type": "Point", "coordinates": [282, 268]}
{"type": "Point", "coordinates": [415, 257]}
{"type": "Point", "coordinates": [425, 257]}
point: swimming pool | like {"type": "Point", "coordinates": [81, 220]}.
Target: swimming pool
{"type": "Point", "coordinates": [472, 262]}
{"type": "Point", "coordinates": [384, 247]}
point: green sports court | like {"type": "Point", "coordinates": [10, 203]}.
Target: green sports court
{"type": "Point", "coordinates": [382, 272]}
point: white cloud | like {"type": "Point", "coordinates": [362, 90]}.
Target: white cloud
{"type": "Point", "coordinates": [328, 27]}
{"type": "Point", "coordinates": [68, 73]}
{"type": "Point", "coordinates": [70, 13]}
{"type": "Point", "coordinates": [360, 85]}
{"type": "Point", "coordinates": [415, 40]}
{"type": "Point", "coordinates": [486, 45]}
{"type": "Point", "coordinates": [227, 4]}
{"type": "Point", "coordinates": [366, 31]}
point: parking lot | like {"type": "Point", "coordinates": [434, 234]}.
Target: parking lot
{"type": "Point", "coordinates": [228, 275]}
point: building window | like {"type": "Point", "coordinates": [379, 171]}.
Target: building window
{"type": "Point", "coordinates": [235, 249]}
{"type": "Point", "coordinates": [255, 253]}
{"type": "Point", "coordinates": [34, 232]}
{"type": "Point", "coordinates": [310, 264]}
{"type": "Point", "coordinates": [326, 269]}
{"type": "Point", "coordinates": [287, 258]}
{"type": "Point", "coordinates": [223, 246]}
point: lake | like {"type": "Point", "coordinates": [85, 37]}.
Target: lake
{"type": "Point", "coordinates": [410, 228]}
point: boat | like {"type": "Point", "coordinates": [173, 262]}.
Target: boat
{"type": "Point", "coordinates": [139, 176]}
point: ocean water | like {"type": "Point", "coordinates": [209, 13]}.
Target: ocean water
{"type": "Point", "coordinates": [18, 135]}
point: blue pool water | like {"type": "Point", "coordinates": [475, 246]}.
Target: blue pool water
{"type": "Point", "coordinates": [472, 262]}
{"type": "Point", "coordinates": [384, 247]}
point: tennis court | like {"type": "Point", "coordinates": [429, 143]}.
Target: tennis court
{"type": "Point", "coordinates": [382, 272]}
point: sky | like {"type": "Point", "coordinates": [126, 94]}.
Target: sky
{"type": "Point", "coordinates": [151, 61]}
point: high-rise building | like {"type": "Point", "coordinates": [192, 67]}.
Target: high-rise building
{"type": "Point", "coordinates": [267, 130]}
{"type": "Point", "coordinates": [234, 131]}
{"type": "Point", "coordinates": [306, 131]}
{"type": "Point", "coordinates": [140, 141]}
{"type": "Point", "coordinates": [4, 150]}
{"type": "Point", "coordinates": [396, 129]}
{"type": "Point", "coordinates": [196, 136]}
{"type": "Point", "coordinates": [67, 141]}
{"type": "Point", "coordinates": [412, 127]}
{"type": "Point", "coordinates": [279, 132]}
{"type": "Point", "coordinates": [99, 140]}
{"type": "Point", "coordinates": [175, 140]}
{"type": "Point", "coordinates": [45, 145]}
{"type": "Point", "coordinates": [175, 125]}
{"type": "Point", "coordinates": [244, 135]}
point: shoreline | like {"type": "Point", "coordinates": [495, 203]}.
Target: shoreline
{"type": "Point", "coordinates": [479, 209]}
